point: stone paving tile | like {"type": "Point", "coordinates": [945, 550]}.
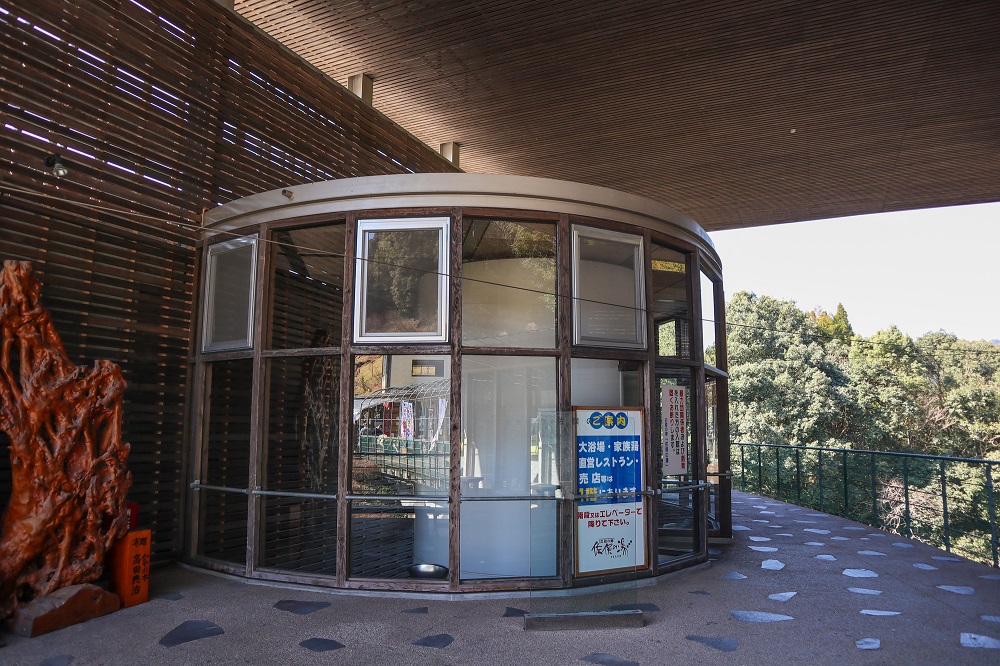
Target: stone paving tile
{"type": "Point", "coordinates": [831, 622]}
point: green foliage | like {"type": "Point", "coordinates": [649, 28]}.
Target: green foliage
{"type": "Point", "coordinates": [805, 378]}
{"type": "Point", "coordinates": [784, 388]}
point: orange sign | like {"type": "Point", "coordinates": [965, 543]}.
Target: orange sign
{"type": "Point", "coordinates": [130, 568]}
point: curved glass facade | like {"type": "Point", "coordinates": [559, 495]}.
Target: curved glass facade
{"type": "Point", "coordinates": [397, 377]}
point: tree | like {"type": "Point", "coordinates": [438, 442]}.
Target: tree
{"type": "Point", "coordinates": [784, 387]}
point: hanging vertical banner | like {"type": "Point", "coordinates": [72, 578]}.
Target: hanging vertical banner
{"type": "Point", "coordinates": [610, 520]}
{"type": "Point", "coordinates": [675, 430]}
{"type": "Point", "coordinates": [406, 420]}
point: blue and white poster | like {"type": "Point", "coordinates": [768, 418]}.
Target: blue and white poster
{"type": "Point", "coordinates": [611, 525]}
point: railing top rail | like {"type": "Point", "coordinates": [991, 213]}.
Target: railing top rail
{"type": "Point", "coordinates": [898, 454]}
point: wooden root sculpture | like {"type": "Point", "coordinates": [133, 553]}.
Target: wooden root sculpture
{"type": "Point", "coordinates": [67, 503]}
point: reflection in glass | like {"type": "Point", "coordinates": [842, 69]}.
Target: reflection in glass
{"type": "Point", "coordinates": [708, 317]}
{"type": "Point", "coordinates": [508, 283]}
{"type": "Point", "coordinates": [401, 447]}
{"type": "Point", "coordinates": [227, 431]}
{"type": "Point", "coordinates": [222, 528]}
{"type": "Point", "coordinates": [222, 525]}
{"type": "Point", "coordinates": [676, 507]}
{"type": "Point", "coordinates": [670, 302]}
{"type": "Point", "coordinates": [605, 383]}
{"type": "Point", "coordinates": [401, 425]}
{"type": "Point", "coordinates": [389, 537]}
{"type": "Point", "coordinates": [509, 449]}
{"type": "Point", "coordinates": [303, 434]}
{"type": "Point", "coordinates": [300, 534]}
{"type": "Point", "coordinates": [608, 298]}
{"type": "Point", "coordinates": [307, 280]}
{"type": "Point", "coordinates": [712, 445]}
{"type": "Point", "coordinates": [402, 280]}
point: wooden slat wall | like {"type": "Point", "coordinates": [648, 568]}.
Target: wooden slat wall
{"type": "Point", "coordinates": [160, 108]}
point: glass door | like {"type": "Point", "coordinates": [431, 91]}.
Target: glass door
{"type": "Point", "coordinates": [678, 500]}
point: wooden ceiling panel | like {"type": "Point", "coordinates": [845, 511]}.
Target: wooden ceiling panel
{"type": "Point", "coordinates": [894, 104]}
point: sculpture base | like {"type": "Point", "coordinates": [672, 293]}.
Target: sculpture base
{"type": "Point", "coordinates": [68, 606]}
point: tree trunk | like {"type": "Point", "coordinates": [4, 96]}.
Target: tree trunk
{"type": "Point", "coordinates": [69, 479]}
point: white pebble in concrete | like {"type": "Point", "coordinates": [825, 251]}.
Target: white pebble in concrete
{"type": "Point", "coordinates": [864, 590]}
{"type": "Point", "coordinates": [957, 589]}
{"type": "Point", "coordinates": [870, 552]}
{"type": "Point", "coordinates": [828, 558]}
{"type": "Point", "coordinates": [860, 573]}
{"type": "Point", "coordinates": [977, 641]}
{"type": "Point", "coordinates": [781, 596]}
{"type": "Point", "coordinates": [758, 616]}
{"type": "Point", "coordinates": [772, 565]}
{"type": "Point", "coordinates": [880, 612]}
{"type": "Point", "coordinates": [924, 567]}
{"type": "Point", "coordinates": [869, 644]}
{"type": "Point", "coordinates": [763, 549]}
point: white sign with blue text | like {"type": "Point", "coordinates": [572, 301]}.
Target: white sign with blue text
{"type": "Point", "coordinates": [610, 518]}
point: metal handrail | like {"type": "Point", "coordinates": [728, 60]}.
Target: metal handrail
{"type": "Point", "coordinates": [855, 487]}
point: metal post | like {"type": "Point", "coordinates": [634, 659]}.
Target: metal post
{"type": "Point", "coordinates": [798, 475]}
{"type": "Point", "coordinates": [743, 466]}
{"type": "Point", "coordinates": [760, 470]}
{"type": "Point", "coordinates": [820, 478]}
{"type": "Point", "coordinates": [993, 513]}
{"type": "Point", "coordinates": [777, 472]}
{"type": "Point", "coordinates": [875, 520]}
{"type": "Point", "coordinates": [906, 495]}
{"type": "Point", "coordinates": [944, 505]}
{"type": "Point", "coordinates": [847, 512]}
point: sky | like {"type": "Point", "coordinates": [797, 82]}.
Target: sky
{"type": "Point", "coordinates": [923, 270]}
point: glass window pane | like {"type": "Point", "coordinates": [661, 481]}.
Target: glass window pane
{"type": "Point", "coordinates": [307, 283]}
{"type": "Point", "coordinates": [605, 383]}
{"type": "Point", "coordinates": [508, 283]}
{"type": "Point", "coordinates": [222, 520]}
{"type": "Point", "coordinates": [300, 534]}
{"type": "Point", "coordinates": [670, 302]}
{"type": "Point", "coordinates": [401, 426]}
{"type": "Point", "coordinates": [608, 295]}
{"type": "Point", "coordinates": [402, 280]}
{"type": "Point", "coordinates": [227, 432]}
{"type": "Point", "coordinates": [222, 526]}
{"type": "Point", "coordinates": [509, 449]}
{"type": "Point", "coordinates": [388, 538]}
{"type": "Point", "coordinates": [708, 317]}
{"type": "Point", "coordinates": [229, 290]}
{"type": "Point", "coordinates": [303, 435]}
{"type": "Point", "coordinates": [676, 508]}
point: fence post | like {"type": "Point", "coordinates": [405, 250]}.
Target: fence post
{"type": "Point", "coordinates": [798, 476]}
{"type": "Point", "coordinates": [944, 507]}
{"type": "Point", "coordinates": [760, 471]}
{"type": "Point", "coordinates": [993, 513]}
{"type": "Point", "coordinates": [875, 520]}
{"type": "Point", "coordinates": [847, 512]}
{"type": "Point", "coordinates": [820, 478]}
{"type": "Point", "coordinates": [777, 472]}
{"type": "Point", "coordinates": [743, 466]}
{"type": "Point", "coordinates": [906, 496]}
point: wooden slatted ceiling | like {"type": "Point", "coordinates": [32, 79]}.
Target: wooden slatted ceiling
{"type": "Point", "coordinates": [160, 109]}
{"type": "Point", "coordinates": [894, 103]}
